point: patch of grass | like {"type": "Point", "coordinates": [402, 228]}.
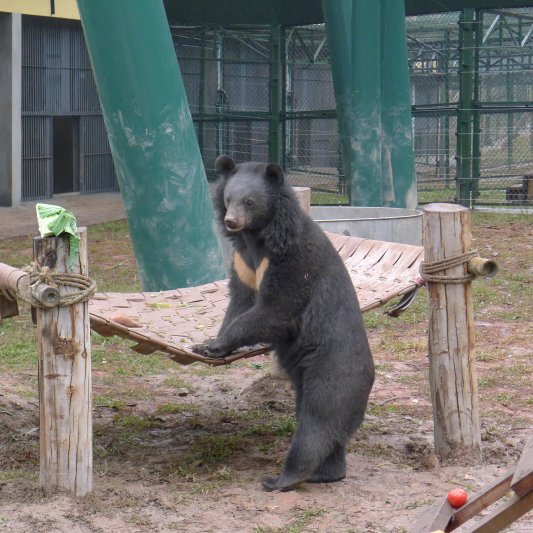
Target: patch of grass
{"type": "Point", "coordinates": [519, 370]}
{"type": "Point", "coordinates": [410, 379]}
{"type": "Point", "coordinates": [174, 408]}
{"type": "Point", "coordinates": [487, 381]}
{"type": "Point", "coordinates": [503, 397]}
{"type": "Point", "coordinates": [488, 356]}
{"type": "Point", "coordinates": [304, 519]}
{"type": "Point", "coordinates": [113, 354]}
{"type": "Point", "coordinates": [112, 263]}
{"type": "Point", "coordinates": [132, 421]}
{"type": "Point", "coordinates": [108, 401]}
{"type": "Point", "coordinates": [296, 525]}
{"type": "Point", "coordinates": [385, 409]}
{"type": "Point", "coordinates": [18, 344]}
{"type": "Point", "coordinates": [17, 251]}
{"type": "Point", "coordinates": [284, 426]}
{"type": "Point", "coordinates": [140, 520]}
{"type": "Point", "coordinates": [17, 473]}
{"type": "Point", "coordinates": [178, 383]}
{"type": "Point", "coordinates": [216, 448]}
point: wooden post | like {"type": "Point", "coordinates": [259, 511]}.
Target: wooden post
{"type": "Point", "coordinates": [64, 377]}
{"type": "Point", "coordinates": [303, 194]}
{"type": "Point", "coordinates": [452, 371]}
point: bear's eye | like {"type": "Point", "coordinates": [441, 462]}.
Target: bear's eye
{"type": "Point", "coordinates": [249, 202]}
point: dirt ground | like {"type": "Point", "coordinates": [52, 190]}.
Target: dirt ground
{"type": "Point", "coordinates": [183, 448]}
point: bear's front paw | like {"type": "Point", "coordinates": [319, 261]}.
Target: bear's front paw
{"type": "Point", "coordinates": [200, 349]}
{"type": "Point", "coordinates": [215, 349]}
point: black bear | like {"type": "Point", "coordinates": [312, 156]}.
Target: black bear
{"type": "Point", "coordinates": [290, 289]}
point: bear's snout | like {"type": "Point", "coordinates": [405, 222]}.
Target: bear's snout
{"type": "Point", "coordinates": [232, 224]}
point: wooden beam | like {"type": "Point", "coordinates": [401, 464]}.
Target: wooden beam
{"type": "Point", "coordinates": [481, 500]}
{"type": "Point", "coordinates": [522, 482]}
{"type": "Point", "coordinates": [505, 514]}
{"type": "Point", "coordinates": [434, 518]}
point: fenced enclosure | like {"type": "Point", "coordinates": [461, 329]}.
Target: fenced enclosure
{"type": "Point", "coordinates": [472, 103]}
{"type": "Point", "coordinates": [472, 92]}
{"type": "Point", "coordinates": [265, 93]}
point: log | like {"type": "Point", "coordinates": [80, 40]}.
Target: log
{"type": "Point", "coordinates": [64, 378]}
{"type": "Point", "coordinates": [10, 278]}
{"type": "Point", "coordinates": [452, 370]}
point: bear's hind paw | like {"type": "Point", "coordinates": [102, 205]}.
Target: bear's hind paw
{"type": "Point", "coordinates": [271, 483]}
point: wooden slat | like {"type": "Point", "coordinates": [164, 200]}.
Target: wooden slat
{"type": "Point", "coordinates": [505, 514]}
{"type": "Point", "coordinates": [522, 482]}
{"type": "Point", "coordinates": [434, 518]}
{"type": "Point", "coordinates": [481, 500]}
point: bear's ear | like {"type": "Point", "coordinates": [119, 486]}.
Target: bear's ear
{"type": "Point", "coordinates": [224, 165]}
{"type": "Point", "coordinates": [274, 173]}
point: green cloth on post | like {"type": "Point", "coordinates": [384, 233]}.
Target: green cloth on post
{"type": "Point", "coordinates": [55, 220]}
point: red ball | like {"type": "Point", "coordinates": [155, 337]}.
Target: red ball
{"type": "Point", "coordinates": [457, 498]}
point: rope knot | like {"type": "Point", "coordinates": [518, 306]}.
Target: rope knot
{"type": "Point", "coordinates": [429, 270]}
{"type": "Point", "coordinates": [43, 277]}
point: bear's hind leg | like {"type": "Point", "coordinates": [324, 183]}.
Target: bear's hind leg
{"type": "Point", "coordinates": [332, 469]}
{"type": "Point", "coordinates": [310, 448]}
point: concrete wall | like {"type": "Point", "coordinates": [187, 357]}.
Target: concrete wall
{"type": "Point", "coordinates": [10, 110]}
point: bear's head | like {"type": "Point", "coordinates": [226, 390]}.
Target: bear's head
{"type": "Point", "coordinates": [248, 193]}
{"type": "Point", "coordinates": [255, 197]}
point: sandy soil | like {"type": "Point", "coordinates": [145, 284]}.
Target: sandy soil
{"type": "Point", "coordinates": [196, 467]}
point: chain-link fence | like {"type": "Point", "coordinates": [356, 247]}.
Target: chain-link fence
{"type": "Point", "coordinates": [472, 105]}
{"type": "Point", "coordinates": [472, 93]}
{"type": "Point", "coordinates": [230, 76]}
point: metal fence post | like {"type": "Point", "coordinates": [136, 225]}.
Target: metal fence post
{"type": "Point", "coordinates": [274, 129]}
{"type": "Point", "coordinates": [464, 115]}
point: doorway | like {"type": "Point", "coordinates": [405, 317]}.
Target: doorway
{"type": "Point", "coordinates": [66, 154]}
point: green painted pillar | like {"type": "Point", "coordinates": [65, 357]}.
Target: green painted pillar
{"type": "Point", "coordinates": [366, 189]}
{"type": "Point", "coordinates": [368, 52]}
{"type": "Point", "coordinates": [397, 158]}
{"type": "Point", "coordinates": [153, 142]}
{"type": "Point", "coordinates": [338, 20]}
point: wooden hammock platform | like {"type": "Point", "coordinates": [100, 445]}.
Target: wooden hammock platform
{"type": "Point", "coordinates": [173, 321]}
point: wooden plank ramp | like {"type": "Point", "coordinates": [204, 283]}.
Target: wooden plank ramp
{"type": "Point", "coordinates": [513, 490]}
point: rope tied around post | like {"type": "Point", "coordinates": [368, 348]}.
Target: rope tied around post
{"type": "Point", "coordinates": [429, 270]}
{"type": "Point", "coordinates": [43, 287]}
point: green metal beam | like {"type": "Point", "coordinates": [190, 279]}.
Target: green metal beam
{"type": "Point", "coordinates": [476, 119]}
{"type": "Point", "coordinates": [465, 111]}
{"type": "Point", "coordinates": [153, 142]}
{"type": "Point", "coordinates": [297, 12]}
{"type": "Point", "coordinates": [276, 76]}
